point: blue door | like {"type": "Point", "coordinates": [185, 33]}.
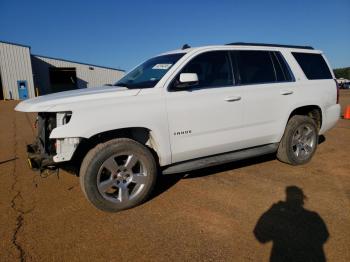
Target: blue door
{"type": "Point", "coordinates": [22, 89]}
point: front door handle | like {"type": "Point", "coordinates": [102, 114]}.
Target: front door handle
{"type": "Point", "coordinates": [286, 92]}
{"type": "Point", "coordinates": [232, 98]}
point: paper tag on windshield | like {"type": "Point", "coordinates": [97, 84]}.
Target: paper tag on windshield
{"type": "Point", "coordinates": [162, 66]}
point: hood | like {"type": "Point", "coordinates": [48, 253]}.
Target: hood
{"type": "Point", "coordinates": [47, 103]}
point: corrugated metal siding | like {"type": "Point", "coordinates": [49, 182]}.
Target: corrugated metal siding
{"type": "Point", "coordinates": [86, 77]}
{"type": "Point", "coordinates": [15, 65]}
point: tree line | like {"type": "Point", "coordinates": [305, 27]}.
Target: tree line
{"type": "Point", "coordinates": [342, 72]}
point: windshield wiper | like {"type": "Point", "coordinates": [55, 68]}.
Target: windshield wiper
{"type": "Point", "coordinates": [146, 84]}
{"type": "Point", "coordinates": [120, 84]}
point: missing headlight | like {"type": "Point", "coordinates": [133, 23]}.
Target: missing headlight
{"type": "Point", "coordinates": [46, 123]}
{"type": "Point", "coordinates": [63, 118]}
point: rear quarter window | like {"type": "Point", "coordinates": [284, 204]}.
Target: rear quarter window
{"type": "Point", "coordinates": [313, 65]}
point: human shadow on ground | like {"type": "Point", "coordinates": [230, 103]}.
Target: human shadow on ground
{"type": "Point", "coordinates": [297, 234]}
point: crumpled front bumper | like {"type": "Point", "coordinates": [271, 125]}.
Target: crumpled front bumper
{"type": "Point", "coordinates": [38, 160]}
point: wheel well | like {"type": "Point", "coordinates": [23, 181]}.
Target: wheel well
{"type": "Point", "coordinates": [139, 134]}
{"type": "Point", "coordinates": [312, 111]}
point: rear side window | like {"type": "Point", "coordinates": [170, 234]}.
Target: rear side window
{"type": "Point", "coordinates": [254, 67]}
{"type": "Point", "coordinates": [280, 75]}
{"type": "Point", "coordinates": [283, 72]}
{"type": "Point", "coordinates": [313, 65]}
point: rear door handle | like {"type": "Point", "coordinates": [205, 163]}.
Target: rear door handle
{"type": "Point", "coordinates": [232, 98]}
{"type": "Point", "coordinates": [286, 92]}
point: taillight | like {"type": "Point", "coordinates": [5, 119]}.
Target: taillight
{"type": "Point", "coordinates": [337, 86]}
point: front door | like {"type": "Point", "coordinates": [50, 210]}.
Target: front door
{"type": "Point", "coordinates": [22, 89]}
{"type": "Point", "coordinates": [207, 118]}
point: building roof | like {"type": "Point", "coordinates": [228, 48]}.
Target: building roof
{"type": "Point", "coordinates": [81, 63]}
{"type": "Point", "coordinates": [71, 61]}
{"type": "Point", "coordinates": [11, 43]}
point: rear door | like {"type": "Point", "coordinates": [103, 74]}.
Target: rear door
{"type": "Point", "coordinates": [269, 87]}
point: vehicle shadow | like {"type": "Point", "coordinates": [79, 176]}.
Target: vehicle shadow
{"type": "Point", "coordinates": [165, 182]}
{"type": "Point", "coordinates": [229, 166]}
{"type": "Point", "coordinates": [237, 164]}
{"type": "Point", "coordinates": [297, 234]}
{"type": "Point", "coordinates": [321, 139]}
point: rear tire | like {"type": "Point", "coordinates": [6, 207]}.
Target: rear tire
{"type": "Point", "coordinates": [118, 174]}
{"type": "Point", "coordinates": [299, 141]}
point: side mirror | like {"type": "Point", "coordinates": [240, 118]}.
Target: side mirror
{"type": "Point", "coordinates": [187, 80]}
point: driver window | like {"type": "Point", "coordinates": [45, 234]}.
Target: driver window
{"type": "Point", "coordinates": [213, 69]}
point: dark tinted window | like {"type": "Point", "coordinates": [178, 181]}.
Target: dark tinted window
{"type": "Point", "coordinates": [285, 68]}
{"type": "Point", "coordinates": [280, 76]}
{"type": "Point", "coordinates": [283, 73]}
{"type": "Point", "coordinates": [254, 67]}
{"type": "Point", "coordinates": [313, 65]}
{"type": "Point", "coordinates": [213, 69]}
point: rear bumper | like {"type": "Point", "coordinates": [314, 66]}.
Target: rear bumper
{"type": "Point", "coordinates": [37, 160]}
{"type": "Point", "coordinates": [330, 118]}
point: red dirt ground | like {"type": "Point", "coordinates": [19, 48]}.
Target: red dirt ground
{"type": "Point", "coordinates": [204, 215]}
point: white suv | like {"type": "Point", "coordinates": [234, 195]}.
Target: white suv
{"type": "Point", "coordinates": [184, 110]}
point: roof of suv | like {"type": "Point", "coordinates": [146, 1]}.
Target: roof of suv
{"type": "Point", "coordinates": [247, 46]}
{"type": "Point", "coordinates": [273, 45]}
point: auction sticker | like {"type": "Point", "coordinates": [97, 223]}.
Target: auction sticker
{"type": "Point", "coordinates": [162, 66]}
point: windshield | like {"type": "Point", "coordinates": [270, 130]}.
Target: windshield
{"type": "Point", "coordinates": [150, 72]}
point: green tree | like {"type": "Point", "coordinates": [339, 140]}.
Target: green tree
{"type": "Point", "coordinates": [342, 72]}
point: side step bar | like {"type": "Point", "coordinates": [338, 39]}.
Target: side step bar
{"type": "Point", "coordinates": [220, 159]}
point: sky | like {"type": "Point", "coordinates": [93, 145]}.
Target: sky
{"type": "Point", "coordinates": [121, 34]}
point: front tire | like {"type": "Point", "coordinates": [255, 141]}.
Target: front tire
{"type": "Point", "coordinates": [118, 174]}
{"type": "Point", "coordinates": [299, 141]}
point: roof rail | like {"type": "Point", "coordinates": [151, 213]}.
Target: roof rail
{"type": "Point", "coordinates": [272, 45]}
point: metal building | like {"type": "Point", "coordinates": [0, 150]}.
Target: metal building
{"type": "Point", "coordinates": [23, 75]}
{"type": "Point", "coordinates": [16, 77]}
{"type": "Point", "coordinates": [53, 75]}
